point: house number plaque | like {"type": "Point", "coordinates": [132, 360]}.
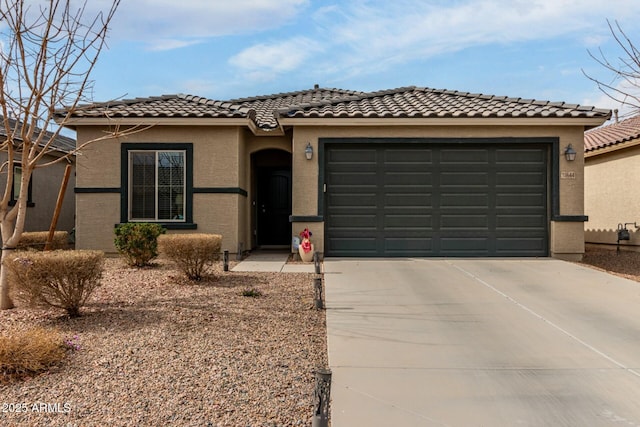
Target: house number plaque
{"type": "Point", "coordinates": [568, 175]}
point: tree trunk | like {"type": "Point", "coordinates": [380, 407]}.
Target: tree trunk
{"type": "Point", "coordinates": [5, 299]}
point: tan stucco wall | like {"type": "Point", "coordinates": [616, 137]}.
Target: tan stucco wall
{"type": "Point", "coordinates": [566, 238]}
{"type": "Point", "coordinates": [96, 215]}
{"type": "Point", "coordinates": [45, 186]}
{"type": "Point", "coordinates": [215, 158]}
{"type": "Point", "coordinates": [222, 158]}
{"type": "Point", "coordinates": [611, 196]}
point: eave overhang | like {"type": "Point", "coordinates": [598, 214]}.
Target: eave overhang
{"type": "Point", "coordinates": [449, 121]}
{"type": "Point", "coordinates": [612, 148]}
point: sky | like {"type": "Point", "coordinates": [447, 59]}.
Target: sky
{"type": "Point", "coordinates": [224, 49]}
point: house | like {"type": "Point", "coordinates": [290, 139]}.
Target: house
{"type": "Point", "coordinates": [45, 185]}
{"type": "Point", "coordinates": [612, 177]}
{"type": "Point", "coordinates": [404, 172]}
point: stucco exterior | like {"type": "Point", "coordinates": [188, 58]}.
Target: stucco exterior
{"type": "Point", "coordinates": [231, 145]}
{"type": "Point", "coordinates": [222, 158]}
{"type": "Point", "coordinates": [45, 186]}
{"type": "Point", "coordinates": [566, 238]}
{"type": "Point", "coordinates": [611, 179]}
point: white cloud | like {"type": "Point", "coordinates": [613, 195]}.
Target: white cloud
{"type": "Point", "coordinates": [388, 33]}
{"type": "Point", "coordinates": [266, 59]}
{"type": "Point", "coordinates": [170, 44]}
{"type": "Point", "coordinates": [186, 22]}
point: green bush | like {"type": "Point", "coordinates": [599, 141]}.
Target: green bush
{"type": "Point", "coordinates": [37, 239]}
{"type": "Point", "coordinates": [30, 351]}
{"type": "Point", "coordinates": [63, 279]}
{"type": "Point", "coordinates": [193, 253]}
{"type": "Point", "coordinates": [138, 242]}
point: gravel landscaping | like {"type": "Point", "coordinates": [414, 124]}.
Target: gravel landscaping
{"type": "Point", "coordinates": [154, 349]}
{"type": "Point", "coordinates": [158, 350]}
{"type": "Point", "coordinates": [625, 263]}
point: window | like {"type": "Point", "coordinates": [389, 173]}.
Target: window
{"type": "Point", "coordinates": [15, 190]}
{"type": "Point", "coordinates": [157, 185]}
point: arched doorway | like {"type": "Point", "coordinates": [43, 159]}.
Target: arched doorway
{"type": "Point", "coordinates": [272, 183]}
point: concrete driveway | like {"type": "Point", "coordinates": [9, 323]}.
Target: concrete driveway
{"type": "Point", "coordinates": [491, 342]}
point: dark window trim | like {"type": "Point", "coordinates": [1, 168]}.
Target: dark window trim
{"type": "Point", "coordinates": [96, 190]}
{"type": "Point", "coordinates": [169, 225]}
{"type": "Point", "coordinates": [554, 158]}
{"type": "Point", "coordinates": [306, 218]}
{"type": "Point", "coordinates": [221, 190]}
{"type": "Point", "coordinates": [570, 218]}
{"type": "Point", "coordinates": [124, 180]}
{"type": "Point", "coordinates": [13, 200]}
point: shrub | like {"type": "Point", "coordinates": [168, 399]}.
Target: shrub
{"type": "Point", "coordinates": [138, 242]}
{"type": "Point", "coordinates": [37, 239]}
{"type": "Point", "coordinates": [63, 279]}
{"type": "Point", "coordinates": [253, 292]}
{"type": "Point", "coordinates": [29, 351]}
{"type": "Point", "coordinates": [193, 253]}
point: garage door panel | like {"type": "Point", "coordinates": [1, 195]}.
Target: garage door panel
{"type": "Point", "coordinates": [410, 178]}
{"type": "Point", "coordinates": [358, 155]}
{"type": "Point", "coordinates": [464, 222]}
{"type": "Point", "coordinates": [521, 246]}
{"type": "Point", "coordinates": [406, 200]}
{"type": "Point", "coordinates": [462, 200]}
{"type": "Point", "coordinates": [520, 178]}
{"type": "Point", "coordinates": [353, 246]}
{"type": "Point", "coordinates": [465, 246]}
{"type": "Point", "coordinates": [406, 221]}
{"type": "Point", "coordinates": [352, 178]}
{"type": "Point", "coordinates": [355, 221]}
{"type": "Point", "coordinates": [520, 200]}
{"type": "Point", "coordinates": [515, 222]}
{"type": "Point", "coordinates": [355, 200]}
{"type": "Point", "coordinates": [407, 157]}
{"type": "Point", "coordinates": [464, 179]}
{"type": "Point", "coordinates": [466, 156]}
{"type": "Point", "coordinates": [520, 156]}
{"type": "Point", "coordinates": [416, 246]}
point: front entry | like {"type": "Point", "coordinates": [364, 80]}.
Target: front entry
{"type": "Point", "coordinates": [274, 206]}
{"type": "Point", "coordinates": [271, 172]}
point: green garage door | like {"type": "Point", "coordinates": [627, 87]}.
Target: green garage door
{"type": "Point", "coordinates": [436, 200]}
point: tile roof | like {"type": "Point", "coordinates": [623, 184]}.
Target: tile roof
{"type": "Point", "coordinates": [162, 106]}
{"type": "Point", "coordinates": [407, 102]}
{"type": "Point", "coordinates": [613, 134]}
{"type": "Point", "coordinates": [60, 143]}
{"type": "Point", "coordinates": [424, 102]}
{"type": "Point", "coordinates": [265, 106]}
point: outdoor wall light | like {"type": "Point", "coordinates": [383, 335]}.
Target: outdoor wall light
{"type": "Point", "coordinates": [308, 152]}
{"type": "Point", "coordinates": [570, 153]}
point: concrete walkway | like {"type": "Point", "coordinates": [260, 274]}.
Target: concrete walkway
{"type": "Point", "coordinates": [272, 261]}
{"type": "Point", "coordinates": [417, 342]}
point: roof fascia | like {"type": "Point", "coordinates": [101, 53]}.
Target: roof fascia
{"type": "Point", "coordinates": [155, 121]}
{"type": "Point", "coordinates": [73, 123]}
{"type": "Point", "coordinates": [449, 121]}
{"type": "Point", "coordinates": [612, 148]}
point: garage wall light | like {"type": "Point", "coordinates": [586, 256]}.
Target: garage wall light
{"type": "Point", "coordinates": [570, 153]}
{"type": "Point", "coordinates": [308, 152]}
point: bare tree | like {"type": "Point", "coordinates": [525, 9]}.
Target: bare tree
{"type": "Point", "coordinates": [48, 50]}
{"type": "Point", "coordinates": [624, 83]}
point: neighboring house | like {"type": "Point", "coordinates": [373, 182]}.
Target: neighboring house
{"type": "Point", "coordinates": [44, 186]}
{"type": "Point", "coordinates": [612, 179]}
{"type": "Point", "coordinates": [404, 172]}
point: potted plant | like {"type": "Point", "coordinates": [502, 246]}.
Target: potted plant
{"type": "Point", "coordinates": [305, 249]}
